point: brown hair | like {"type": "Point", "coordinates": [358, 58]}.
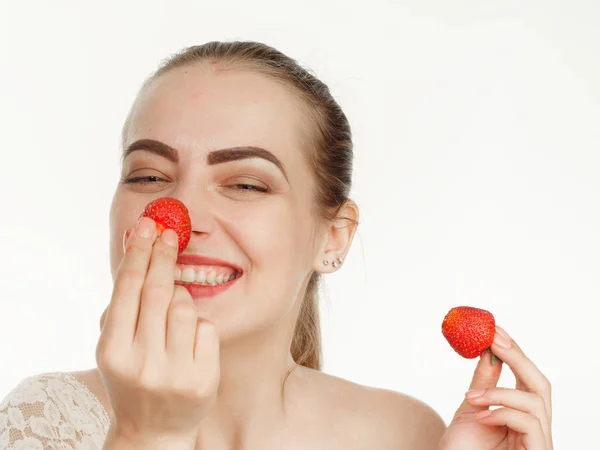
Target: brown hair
{"type": "Point", "coordinates": [330, 154]}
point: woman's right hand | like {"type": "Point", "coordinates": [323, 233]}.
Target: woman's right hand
{"type": "Point", "coordinates": [158, 361]}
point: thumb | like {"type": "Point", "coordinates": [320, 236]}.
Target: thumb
{"type": "Point", "coordinates": [486, 376]}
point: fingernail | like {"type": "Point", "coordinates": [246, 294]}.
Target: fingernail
{"type": "Point", "coordinates": [502, 342]}
{"type": "Point", "coordinates": [145, 227]}
{"type": "Point", "coordinates": [502, 333]}
{"type": "Point", "coordinates": [126, 236]}
{"type": "Point", "coordinates": [483, 414]}
{"type": "Point", "coordinates": [169, 237]}
{"type": "Point", "coordinates": [473, 393]}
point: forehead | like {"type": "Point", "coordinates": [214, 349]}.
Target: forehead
{"type": "Point", "coordinates": [198, 107]}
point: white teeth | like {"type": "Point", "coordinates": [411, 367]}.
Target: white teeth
{"type": "Point", "coordinates": [188, 275]}
{"type": "Point", "coordinates": [201, 276]}
{"type": "Point", "coordinates": [210, 279]}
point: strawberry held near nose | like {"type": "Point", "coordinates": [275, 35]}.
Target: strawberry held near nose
{"type": "Point", "coordinates": [170, 213]}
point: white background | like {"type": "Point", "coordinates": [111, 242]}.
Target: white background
{"type": "Point", "coordinates": [477, 137]}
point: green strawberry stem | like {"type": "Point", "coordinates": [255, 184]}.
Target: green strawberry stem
{"type": "Point", "coordinates": [494, 357]}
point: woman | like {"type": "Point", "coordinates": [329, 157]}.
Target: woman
{"type": "Point", "coordinates": [261, 155]}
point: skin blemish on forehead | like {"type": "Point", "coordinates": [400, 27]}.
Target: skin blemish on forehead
{"type": "Point", "coordinates": [214, 66]}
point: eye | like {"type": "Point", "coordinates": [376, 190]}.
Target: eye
{"type": "Point", "coordinates": [246, 185]}
{"type": "Point", "coordinates": [151, 179]}
{"type": "Point", "coordinates": [249, 187]}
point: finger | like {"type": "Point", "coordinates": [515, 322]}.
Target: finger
{"type": "Point", "coordinates": [122, 314]}
{"type": "Point", "coordinates": [157, 292]}
{"type": "Point", "coordinates": [206, 356]}
{"type": "Point", "coordinates": [526, 402]}
{"type": "Point", "coordinates": [182, 321]}
{"type": "Point", "coordinates": [526, 372]}
{"type": "Point", "coordinates": [485, 376]}
{"type": "Point", "coordinates": [526, 424]}
{"type": "Point", "coordinates": [206, 346]}
{"type": "Point", "coordinates": [125, 239]}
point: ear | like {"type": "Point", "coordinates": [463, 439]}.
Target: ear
{"type": "Point", "coordinates": [337, 238]}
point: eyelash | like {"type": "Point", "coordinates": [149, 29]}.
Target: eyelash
{"type": "Point", "coordinates": [239, 186]}
{"type": "Point", "coordinates": [138, 180]}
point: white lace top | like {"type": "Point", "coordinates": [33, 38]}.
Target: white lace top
{"type": "Point", "coordinates": [52, 411]}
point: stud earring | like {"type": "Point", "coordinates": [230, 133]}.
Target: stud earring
{"type": "Point", "coordinates": [338, 262]}
{"type": "Point", "coordinates": [325, 262]}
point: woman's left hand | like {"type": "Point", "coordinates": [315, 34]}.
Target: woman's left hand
{"type": "Point", "coordinates": [523, 422]}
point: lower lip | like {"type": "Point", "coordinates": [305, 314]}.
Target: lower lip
{"type": "Point", "coordinates": [198, 291]}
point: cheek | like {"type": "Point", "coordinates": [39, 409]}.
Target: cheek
{"type": "Point", "coordinates": [277, 240]}
{"type": "Point", "coordinates": [279, 250]}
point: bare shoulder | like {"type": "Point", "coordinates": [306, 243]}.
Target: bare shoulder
{"type": "Point", "coordinates": [378, 418]}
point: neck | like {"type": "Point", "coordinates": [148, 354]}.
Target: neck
{"type": "Point", "coordinates": [251, 397]}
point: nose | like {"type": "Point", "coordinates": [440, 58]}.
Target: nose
{"type": "Point", "coordinates": [199, 207]}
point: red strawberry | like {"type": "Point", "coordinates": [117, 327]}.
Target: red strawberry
{"type": "Point", "coordinates": [170, 213]}
{"type": "Point", "coordinates": [469, 331]}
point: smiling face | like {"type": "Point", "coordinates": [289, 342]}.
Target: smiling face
{"type": "Point", "coordinates": [232, 146]}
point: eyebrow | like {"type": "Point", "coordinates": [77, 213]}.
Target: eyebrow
{"type": "Point", "coordinates": [214, 157]}
{"type": "Point", "coordinates": [152, 146]}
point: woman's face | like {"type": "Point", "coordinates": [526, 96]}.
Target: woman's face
{"type": "Point", "coordinates": [251, 208]}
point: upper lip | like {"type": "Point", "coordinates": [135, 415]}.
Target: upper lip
{"type": "Point", "coordinates": [205, 261]}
